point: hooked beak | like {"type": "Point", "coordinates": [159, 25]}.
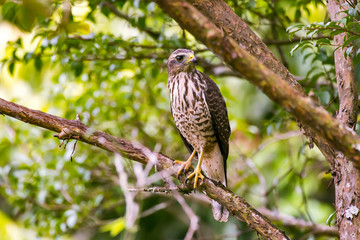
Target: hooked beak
{"type": "Point", "coordinates": [191, 58]}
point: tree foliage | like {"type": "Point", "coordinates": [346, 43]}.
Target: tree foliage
{"type": "Point", "coordinates": [106, 61]}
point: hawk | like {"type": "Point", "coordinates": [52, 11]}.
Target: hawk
{"type": "Point", "coordinates": [200, 115]}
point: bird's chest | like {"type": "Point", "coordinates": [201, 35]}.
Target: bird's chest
{"type": "Point", "coordinates": [191, 115]}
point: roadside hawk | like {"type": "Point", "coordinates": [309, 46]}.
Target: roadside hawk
{"type": "Point", "coordinates": [200, 115]}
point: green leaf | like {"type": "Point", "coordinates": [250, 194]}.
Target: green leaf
{"type": "Point", "coordinates": [314, 32]}
{"type": "Point", "coordinates": [349, 40]}
{"type": "Point", "coordinates": [25, 19]}
{"type": "Point", "coordinates": [316, 77]}
{"type": "Point", "coordinates": [306, 45]}
{"type": "Point", "coordinates": [78, 28]}
{"type": "Point", "coordinates": [11, 68]}
{"type": "Point", "coordinates": [78, 68]}
{"type": "Point", "coordinates": [301, 150]}
{"type": "Point", "coordinates": [357, 57]}
{"type": "Point", "coordinates": [114, 227]}
{"type": "Point", "coordinates": [323, 41]}
{"type": "Point", "coordinates": [348, 51]}
{"type": "Point", "coordinates": [28, 56]}
{"type": "Point", "coordinates": [141, 22]}
{"type": "Point", "coordinates": [307, 56]}
{"type": "Point", "coordinates": [331, 220]}
{"type": "Point", "coordinates": [295, 28]}
{"type": "Point", "coordinates": [294, 49]}
{"type": "Point", "coordinates": [38, 63]}
{"type": "Point", "coordinates": [9, 10]}
{"type": "Point", "coordinates": [336, 32]}
{"type": "Point", "coordinates": [297, 15]}
{"type": "Point", "coordinates": [351, 25]}
{"type": "Point", "coordinates": [343, 21]}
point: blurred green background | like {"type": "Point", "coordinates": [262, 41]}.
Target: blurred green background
{"type": "Point", "coordinates": [106, 61]}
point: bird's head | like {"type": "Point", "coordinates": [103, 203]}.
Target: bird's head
{"type": "Point", "coordinates": [181, 60]}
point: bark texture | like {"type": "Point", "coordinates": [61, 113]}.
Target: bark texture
{"type": "Point", "coordinates": [347, 178]}
{"type": "Point", "coordinates": [73, 129]}
{"type": "Point", "coordinates": [301, 107]}
{"type": "Point", "coordinates": [226, 19]}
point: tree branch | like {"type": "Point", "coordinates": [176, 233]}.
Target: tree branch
{"type": "Point", "coordinates": [226, 19]}
{"type": "Point", "coordinates": [280, 91]}
{"type": "Point", "coordinates": [220, 14]}
{"type": "Point", "coordinates": [72, 129]}
{"type": "Point", "coordinates": [290, 221]}
{"type": "Point", "coordinates": [293, 40]}
{"type": "Point", "coordinates": [347, 178]}
{"type": "Point", "coordinates": [345, 74]}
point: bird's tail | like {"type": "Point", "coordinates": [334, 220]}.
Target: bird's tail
{"type": "Point", "coordinates": [220, 213]}
{"type": "Point", "coordinates": [213, 166]}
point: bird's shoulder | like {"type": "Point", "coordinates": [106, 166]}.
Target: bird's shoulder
{"type": "Point", "coordinates": [212, 89]}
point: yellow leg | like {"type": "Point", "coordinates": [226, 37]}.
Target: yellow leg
{"type": "Point", "coordinates": [185, 165]}
{"type": "Point", "coordinates": [197, 172]}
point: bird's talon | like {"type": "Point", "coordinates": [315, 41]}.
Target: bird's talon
{"type": "Point", "coordinates": [177, 161]}
{"type": "Point", "coordinates": [197, 174]}
{"type": "Point", "coordinates": [181, 70]}
{"type": "Point", "coordinates": [185, 166]}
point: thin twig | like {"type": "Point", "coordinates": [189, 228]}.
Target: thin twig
{"type": "Point", "coordinates": [293, 40]}
{"type": "Point", "coordinates": [154, 189]}
{"type": "Point", "coordinates": [154, 209]}
{"type": "Point", "coordinates": [194, 219]}
{"type": "Point", "coordinates": [333, 28]}
{"type": "Point", "coordinates": [132, 208]}
{"type": "Point", "coordinates": [290, 221]}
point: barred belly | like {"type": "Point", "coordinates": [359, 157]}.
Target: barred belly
{"type": "Point", "coordinates": [190, 112]}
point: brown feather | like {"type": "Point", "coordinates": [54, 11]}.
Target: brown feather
{"type": "Point", "coordinates": [200, 114]}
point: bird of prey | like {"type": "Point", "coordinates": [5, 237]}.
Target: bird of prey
{"type": "Point", "coordinates": [200, 115]}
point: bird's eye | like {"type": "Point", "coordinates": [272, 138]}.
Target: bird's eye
{"type": "Point", "coordinates": [179, 58]}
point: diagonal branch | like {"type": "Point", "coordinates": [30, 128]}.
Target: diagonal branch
{"type": "Point", "coordinates": [290, 221]}
{"type": "Point", "coordinates": [280, 91]}
{"type": "Point", "coordinates": [69, 129]}
{"type": "Point", "coordinates": [237, 29]}
{"type": "Point", "coordinates": [226, 19]}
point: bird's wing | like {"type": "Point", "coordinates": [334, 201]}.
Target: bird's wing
{"type": "Point", "coordinates": [186, 143]}
{"type": "Point", "coordinates": [219, 116]}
